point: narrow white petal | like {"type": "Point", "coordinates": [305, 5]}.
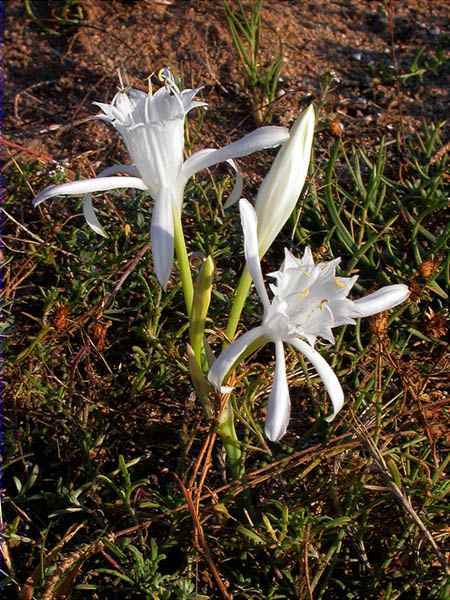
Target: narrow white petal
{"type": "Point", "coordinates": [383, 299]}
{"type": "Point", "coordinates": [162, 236]}
{"type": "Point", "coordinates": [238, 185]}
{"type": "Point", "coordinates": [88, 208]}
{"type": "Point", "coordinates": [87, 186]}
{"type": "Point", "coordinates": [307, 259]}
{"type": "Point", "coordinates": [230, 355]}
{"type": "Point", "coordinates": [187, 97]}
{"type": "Point", "coordinates": [325, 372]}
{"type": "Point", "coordinates": [197, 104]}
{"type": "Point", "coordinates": [279, 407]}
{"type": "Point", "coordinates": [264, 137]}
{"type": "Point", "coordinates": [249, 226]}
{"type": "Point", "coordinates": [290, 262]}
{"type": "Point", "coordinates": [114, 169]}
{"type": "Point", "coordinates": [110, 112]}
{"type": "Point", "coordinates": [91, 217]}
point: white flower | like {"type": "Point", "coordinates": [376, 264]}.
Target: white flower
{"type": "Point", "coordinates": [308, 301]}
{"type": "Point", "coordinates": [152, 127]}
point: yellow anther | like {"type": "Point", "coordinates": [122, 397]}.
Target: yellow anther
{"type": "Point", "coordinates": [323, 302]}
{"type": "Point", "coordinates": [164, 75]}
{"type": "Point", "coordinates": [339, 283]}
{"type": "Point", "coordinates": [304, 293]}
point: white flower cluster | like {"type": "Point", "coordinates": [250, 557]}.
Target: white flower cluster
{"type": "Point", "coordinates": [308, 300]}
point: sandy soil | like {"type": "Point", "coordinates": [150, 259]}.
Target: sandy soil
{"type": "Point", "coordinates": [52, 80]}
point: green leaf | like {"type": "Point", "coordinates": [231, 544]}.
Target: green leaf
{"type": "Point", "coordinates": [251, 535]}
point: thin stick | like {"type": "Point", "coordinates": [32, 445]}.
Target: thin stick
{"type": "Point", "coordinates": [403, 499]}
{"type": "Point", "coordinates": [201, 540]}
{"type": "Point", "coordinates": [129, 268]}
{"type": "Point", "coordinates": [41, 156]}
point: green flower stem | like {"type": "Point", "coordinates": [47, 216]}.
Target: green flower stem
{"type": "Point", "coordinates": [226, 428]}
{"type": "Point", "coordinates": [240, 296]}
{"type": "Point", "coordinates": [200, 306]}
{"type": "Point", "coordinates": [183, 263]}
{"type": "Point", "coordinates": [201, 384]}
{"type": "Point", "coordinates": [230, 440]}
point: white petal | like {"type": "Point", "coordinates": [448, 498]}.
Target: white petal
{"type": "Point", "coordinates": [123, 103]}
{"type": "Point", "coordinates": [279, 407]}
{"type": "Point", "coordinates": [88, 208]}
{"type": "Point", "coordinates": [91, 217]}
{"type": "Point", "coordinates": [86, 186]}
{"type": "Point", "coordinates": [187, 98]}
{"type": "Point", "coordinates": [157, 151]}
{"type": "Point", "coordinates": [188, 95]}
{"type": "Point", "coordinates": [114, 169]}
{"type": "Point", "coordinates": [383, 299]}
{"type": "Point", "coordinates": [110, 112]}
{"type": "Point", "coordinates": [238, 185]}
{"type": "Point", "coordinates": [197, 104]}
{"type": "Point", "coordinates": [282, 186]}
{"type": "Point", "coordinates": [325, 372]}
{"type": "Point", "coordinates": [264, 137]}
{"type": "Point", "coordinates": [162, 236]}
{"type": "Point", "coordinates": [290, 262]}
{"type": "Point", "coordinates": [307, 259]}
{"type": "Point", "coordinates": [249, 226]}
{"type": "Point", "coordinates": [136, 96]}
{"type": "Point", "coordinates": [230, 355]}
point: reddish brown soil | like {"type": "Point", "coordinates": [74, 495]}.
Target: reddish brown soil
{"type": "Point", "coordinates": [52, 80]}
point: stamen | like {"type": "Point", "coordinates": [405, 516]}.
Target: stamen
{"type": "Point", "coordinates": [121, 86]}
{"type": "Point", "coordinates": [149, 83]}
{"type": "Point", "coordinates": [340, 283]}
{"type": "Point", "coordinates": [165, 76]}
{"type": "Point", "coordinates": [303, 294]}
{"type": "Point", "coordinates": [322, 303]}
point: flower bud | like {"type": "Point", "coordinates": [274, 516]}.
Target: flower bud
{"type": "Point", "coordinates": [283, 184]}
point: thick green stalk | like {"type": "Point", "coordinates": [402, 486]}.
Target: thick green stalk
{"type": "Point", "coordinates": [226, 428]}
{"type": "Point", "coordinates": [202, 298]}
{"type": "Point", "coordinates": [226, 420]}
{"type": "Point", "coordinates": [200, 382]}
{"type": "Point", "coordinates": [240, 296]}
{"type": "Point", "coordinates": [183, 263]}
{"type": "Point", "coordinates": [230, 440]}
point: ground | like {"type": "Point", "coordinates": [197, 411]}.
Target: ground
{"type": "Point", "coordinates": [107, 448]}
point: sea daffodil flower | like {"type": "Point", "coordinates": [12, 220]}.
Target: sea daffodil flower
{"type": "Point", "coordinates": [308, 302]}
{"type": "Point", "coordinates": [152, 127]}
